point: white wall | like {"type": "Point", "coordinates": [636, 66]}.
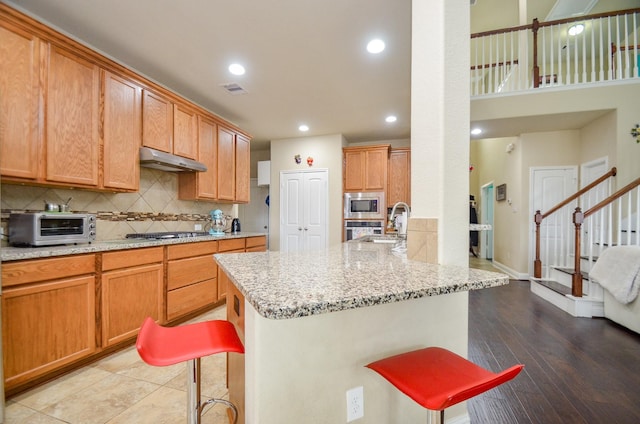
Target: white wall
{"type": "Point", "coordinates": [326, 152]}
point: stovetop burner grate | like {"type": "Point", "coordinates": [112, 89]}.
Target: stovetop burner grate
{"type": "Point", "coordinates": [167, 235]}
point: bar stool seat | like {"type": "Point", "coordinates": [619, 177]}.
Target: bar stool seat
{"type": "Point", "coordinates": [163, 346]}
{"type": "Point", "coordinates": [437, 378]}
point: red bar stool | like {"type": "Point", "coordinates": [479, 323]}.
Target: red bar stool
{"type": "Point", "coordinates": [437, 378]}
{"type": "Point", "coordinates": [162, 346]}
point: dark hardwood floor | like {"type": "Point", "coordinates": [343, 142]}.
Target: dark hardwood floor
{"type": "Point", "coordinates": [577, 370]}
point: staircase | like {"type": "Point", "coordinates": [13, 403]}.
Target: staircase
{"type": "Point", "coordinates": [560, 276]}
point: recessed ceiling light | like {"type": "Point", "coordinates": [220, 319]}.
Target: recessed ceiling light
{"type": "Point", "coordinates": [576, 29]}
{"type": "Point", "coordinates": [303, 128]}
{"type": "Point", "coordinates": [375, 46]}
{"type": "Point", "coordinates": [236, 69]}
{"type": "Point", "coordinates": [476, 131]}
{"type": "Point", "coordinates": [391, 118]}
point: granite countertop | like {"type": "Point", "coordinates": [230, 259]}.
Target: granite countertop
{"type": "Point", "coordinates": [19, 253]}
{"type": "Point", "coordinates": [346, 276]}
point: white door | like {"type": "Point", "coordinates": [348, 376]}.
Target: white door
{"type": "Point", "coordinates": [303, 210]}
{"type": "Point", "coordinates": [486, 217]}
{"type": "Point", "coordinates": [550, 186]}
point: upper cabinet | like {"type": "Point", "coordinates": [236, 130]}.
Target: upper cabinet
{"type": "Point", "coordinates": [399, 186]}
{"type": "Point", "coordinates": [70, 117]}
{"type": "Point", "coordinates": [157, 122]}
{"type": "Point", "coordinates": [121, 127]}
{"type": "Point", "coordinates": [19, 102]}
{"type": "Point", "coordinates": [365, 168]}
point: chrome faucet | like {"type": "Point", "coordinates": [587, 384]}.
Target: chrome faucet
{"type": "Point", "coordinates": [403, 229]}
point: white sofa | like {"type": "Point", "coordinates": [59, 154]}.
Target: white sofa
{"type": "Point", "coordinates": [626, 315]}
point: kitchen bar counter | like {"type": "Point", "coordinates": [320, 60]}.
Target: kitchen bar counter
{"type": "Point", "coordinates": [19, 253]}
{"type": "Point", "coordinates": [310, 322]}
{"type": "Point", "coordinates": [346, 276]}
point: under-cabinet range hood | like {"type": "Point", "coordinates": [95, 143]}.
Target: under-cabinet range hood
{"type": "Point", "coordinates": [152, 158]}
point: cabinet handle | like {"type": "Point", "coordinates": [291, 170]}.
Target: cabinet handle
{"type": "Point", "coordinates": [299, 228]}
{"type": "Point", "coordinates": [305, 228]}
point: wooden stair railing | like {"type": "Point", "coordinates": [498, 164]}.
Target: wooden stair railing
{"type": "Point", "coordinates": [539, 217]}
{"type": "Point", "coordinates": [578, 219]}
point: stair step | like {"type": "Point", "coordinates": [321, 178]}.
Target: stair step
{"type": "Point", "coordinates": [585, 275]}
{"type": "Point", "coordinates": [586, 258]}
{"type": "Point", "coordinates": [554, 286]}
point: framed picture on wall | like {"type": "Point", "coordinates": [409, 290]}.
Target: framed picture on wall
{"type": "Point", "coordinates": [501, 192]}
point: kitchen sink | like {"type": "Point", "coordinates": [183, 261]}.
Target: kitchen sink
{"type": "Point", "coordinates": [390, 239]}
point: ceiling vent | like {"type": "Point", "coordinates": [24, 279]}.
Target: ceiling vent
{"type": "Point", "coordinates": [234, 88]}
{"type": "Point", "coordinates": [564, 9]}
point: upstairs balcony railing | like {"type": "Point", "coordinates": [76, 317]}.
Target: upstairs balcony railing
{"type": "Point", "coordinates": [544, 54]}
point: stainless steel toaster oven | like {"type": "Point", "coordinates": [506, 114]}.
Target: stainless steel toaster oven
{"type": "Point", "coordinates": [51, 228]}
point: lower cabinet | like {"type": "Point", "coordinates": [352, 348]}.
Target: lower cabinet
{"type": "Point", "coordinates": [192, 281]}
{"type": "Point", "coordinates": [48, 316]}
{"type": "Point", "coordinates": [132, 289]}
{"type": "Point", "coordinates": [235, 362]}
{"type": "Point", "coordinates": [227, 246]}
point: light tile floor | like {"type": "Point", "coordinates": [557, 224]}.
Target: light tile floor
{"type": "Point", "coordinates": [120, 389]}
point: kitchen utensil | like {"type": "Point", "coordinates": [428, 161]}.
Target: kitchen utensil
{"type": "Point", "coordinates": [218, 222]}
{"type": "Point", "coordinates": [235, 225]}
{"type": "Point", "coordinates": [65, 207]}
{"type": "Point", "coordinates": [51, 207]}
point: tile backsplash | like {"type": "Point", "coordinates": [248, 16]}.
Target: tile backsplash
{"type": "Point", "coordinates": [155, 207]}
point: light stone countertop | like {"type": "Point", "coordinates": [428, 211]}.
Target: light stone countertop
{"type": "Point", "coordinates": [346, 276]}
{"type": "Point", "coordinates": [20, 253]}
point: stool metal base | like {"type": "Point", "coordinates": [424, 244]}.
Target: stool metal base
{"type": "Point", "coordinates": [194, 405]}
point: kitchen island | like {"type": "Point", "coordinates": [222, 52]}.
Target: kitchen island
{"type": "Point", "coordinates": [311, 321]}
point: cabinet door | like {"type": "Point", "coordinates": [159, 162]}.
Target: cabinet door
{"type": "Point", "coordinates": [226, 164]}
{"type": "Point", "coordinates": [242, 169]}
{"type": "Point", "coordinates": [399, 187]}
{"type": "Point", "coordinates": [20, 93]}
{"type": "Point", "coordinates": [353, 170]}
{"type": "Point", "coordinates": [122, 121]}
{"type": "Point", "coordinates": [157, 122]}
{"type": "Point", "coordinates": [128, 297]}
{"type": "Point", "coordinates": [72, 119]}
{"type": "Point", "coordinates": [46, 326]}
{"type": "Point", "coordinates": [185, 122]}
{"type": "Point", "coordinates": [375, 172]}
{"type": "Point", "coordinates": [202, 185]}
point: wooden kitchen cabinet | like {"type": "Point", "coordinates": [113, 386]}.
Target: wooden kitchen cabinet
{"type": "Point", "coordinates": [185, 131]}
{"type": "Point", "coordinates": [365, 168]}
{"type": "Point", "coordinates": [235, 362]}
{"type": "Point", "coordinates": [132, 289]}
{"type": "Point", "coordinates": [122, 133]}
{"type": "Point", "coordinates": [242, 157]}
{"type": "Point", "coordinates": [226, 165]}
{"type": "Point", "coordinates": [192, 278]}
{"type": "Point", "coordinates": [157, 121]}
{"type": "Point", "coordinates": [256, 244]}
{"type": "Point", "coordinates": [48, 315]}
{"type": "Point", "coordinates": [399, 187]}
{"type": "Point", "coordinates": [19, 102]}
{"type": "Point", "coordinates": [227, 246]}
{"type": "Point", "coordinates": [202, 185]}
{"type": "Point", "coordinates": [72, 119]}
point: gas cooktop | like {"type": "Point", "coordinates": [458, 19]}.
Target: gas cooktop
{"type": "Point", "coordinates": [167, 235]}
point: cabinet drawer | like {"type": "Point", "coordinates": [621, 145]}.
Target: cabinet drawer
{"type": "Point", "coordinates": [260, 241]}
{"type": "Point", "coordinates": [188, 250]}
{"type": "Point", "coordinates": [190, 298]}
{"type": "Point", "coordinates": [191, 270]}
{"type": "Point", "coordinates": [231, 244]}
{"type": "Point", "coordinates": [129, 258]}
{"type": "Point", "coordinates": [32, 271]}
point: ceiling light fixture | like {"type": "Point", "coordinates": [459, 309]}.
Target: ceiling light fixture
{"type": "Point", "coordinates": [476, 131]}
{"type": "Point", "coordinates": [303, 128]}
{"type": "Point", "coordinates": [375, 46]}
{"type": "Point", "coordinates": [576, 29]}
{"type": "Point", "coordinates": [391, 119]}
{"type": "Point", "coordinates": [236, 69]}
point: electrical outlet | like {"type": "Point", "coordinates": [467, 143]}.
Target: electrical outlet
{"type": "Point", "coordinates": [355, 403]}
{"type": "Point", "coordinates": [197, 227]}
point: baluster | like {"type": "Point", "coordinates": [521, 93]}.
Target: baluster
{"type": "Point", "coordinates": [593, 55]}
{"type": "Point", "coordinates": [619, 53]}
{"type": "Point", "coordinates": [635, 46]}
{"type": "Point", "coordinates": [601, 51]}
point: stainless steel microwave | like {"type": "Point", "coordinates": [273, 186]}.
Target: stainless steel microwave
{"type": "Point", "coordinates": [367, 205]}
{"type": "Point", "coordinates": [51, 228]}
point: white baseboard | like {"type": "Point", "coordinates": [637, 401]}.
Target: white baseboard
{"type": "Point", "coordinates": [511, 272]}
